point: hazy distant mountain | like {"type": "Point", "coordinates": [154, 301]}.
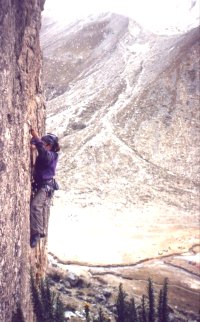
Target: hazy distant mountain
{"type": "Point", "coordinates": [125, 103]}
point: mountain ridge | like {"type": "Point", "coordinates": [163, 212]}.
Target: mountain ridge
{"type": "Point", "coordinates": [110, 98]}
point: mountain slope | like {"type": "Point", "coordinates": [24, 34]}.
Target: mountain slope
{"type": "Point", "coordinates": [125, 103]}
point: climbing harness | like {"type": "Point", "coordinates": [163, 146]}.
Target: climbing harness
{"type": "Point", "coordinates": [50, 186]}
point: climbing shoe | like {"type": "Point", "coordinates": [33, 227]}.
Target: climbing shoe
{"type": "Point", "coordinates": [34, 240]}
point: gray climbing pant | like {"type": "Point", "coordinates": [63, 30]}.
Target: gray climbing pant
{"type": "Point", "coordinates": [39, 212]}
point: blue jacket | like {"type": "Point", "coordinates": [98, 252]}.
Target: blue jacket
{"type": "Point", "coordinates": [45, 164]}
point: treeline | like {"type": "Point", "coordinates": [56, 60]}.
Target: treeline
{"type": "Point", "coordinates": [149, 309]}
{"type": "Point", "coordinates": [49, 308]}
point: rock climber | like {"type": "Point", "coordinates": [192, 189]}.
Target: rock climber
{"type": "Point", "coordinates": [43, 184]}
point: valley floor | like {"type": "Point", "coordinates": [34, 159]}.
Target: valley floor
{"type": "Point", "coordinates": [97, 248]}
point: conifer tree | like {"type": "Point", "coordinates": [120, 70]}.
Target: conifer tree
{"type": "Point", "coordinates": [121, 305]}
{"type": "Point", "coordinates": [165, 313]}
{"type": "Point", "coordinates": [101, 317]}
{"type": "Point", "coordinates": [87, 312]}
{"type": "Point", "coordinates": [47, 306]}
{"type": "Point", "coordinates": [47, 299]}
{"type": "Point", "coordinates": [37, 305]}
{"type": "Point", "coordinates": [143, 317]}
{"type": "Point", "coordinates": [132, 313]}
{"type": "Point", "coordinates": [59, 311]}
{"type": "Point", "coordinates": [151, 301]}
{"type": "Point", "coordinates": [160, 306]}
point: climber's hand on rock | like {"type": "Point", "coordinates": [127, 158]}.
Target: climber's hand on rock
{"type": "Point", "coordinates": [34, 133]}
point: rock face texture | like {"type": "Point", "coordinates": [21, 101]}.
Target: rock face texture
{"type": "Point", "coordinates": [20, 101]}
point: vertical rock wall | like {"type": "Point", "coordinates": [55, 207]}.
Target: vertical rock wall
{"type": "Point", "coordinates": [20, 101]}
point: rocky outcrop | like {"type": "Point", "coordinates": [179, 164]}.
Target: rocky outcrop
{"type": "Point", "coordinates": [20, 102]}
